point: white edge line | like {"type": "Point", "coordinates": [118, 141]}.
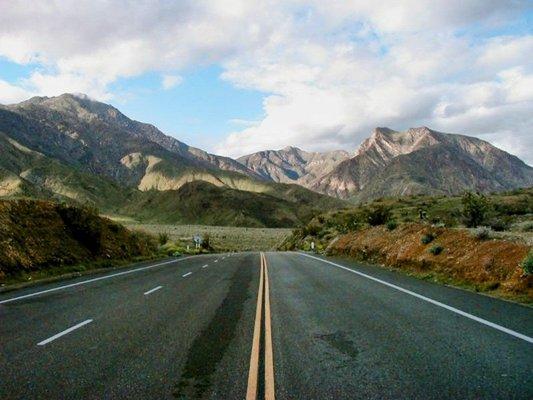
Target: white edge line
{"type": "Point", "coordinates": [66, 331]}
{"type": "Point", "coordinates": [186, 275]}
{"type": "Point", "coordinates": [92, 280]}
{"type": "Point", "coordinates": [435, 302]}
{"type": "Point", "coordinates": [152, 290]}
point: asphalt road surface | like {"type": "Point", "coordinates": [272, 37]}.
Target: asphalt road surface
{"type": "Point", "coordinates": [246, 326]}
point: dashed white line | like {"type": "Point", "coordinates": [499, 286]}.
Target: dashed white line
{"type": "Point", "coordinates": [92, 280]}
{"type": "Point", "coordinates": [204, 266]}
{"type": "Point", "coordinates": [187, 274]}
{"type": "Point", "coordinates": [429, 300]}
{"type": "Point", "coordinates": [152, 290]}
{"type": "Point", "coordinates": [66, 331]}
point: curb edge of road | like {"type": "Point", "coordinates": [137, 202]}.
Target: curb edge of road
{"type": "Point", "coordinates": [73, 275]}
{"type": "Point", "coordinates": [405, 273]}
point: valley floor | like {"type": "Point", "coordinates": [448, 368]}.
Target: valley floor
{"type": "Point", "coordinates": [222, 238]}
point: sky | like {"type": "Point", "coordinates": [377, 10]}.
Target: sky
{"type": "Point", "coordinates": [235, 77]}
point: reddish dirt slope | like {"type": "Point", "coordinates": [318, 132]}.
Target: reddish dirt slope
{"type": "Point", "coordinates": [484, 264]}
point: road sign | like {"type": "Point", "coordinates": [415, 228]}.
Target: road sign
{"type": "Point", "coordinates": [198, 240]}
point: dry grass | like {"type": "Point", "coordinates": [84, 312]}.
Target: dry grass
{"type": "Point", "coordinates": [483, 265]}
{"type": "Point", "coordinates": [222, 238]}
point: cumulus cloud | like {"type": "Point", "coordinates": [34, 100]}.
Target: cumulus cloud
{"type": "Point", "coordinates": [171, 81]}
{"type": "Point", "coordinates": [331, 70]}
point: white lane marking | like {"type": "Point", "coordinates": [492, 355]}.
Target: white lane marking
{"type": "Point", "coordinates": [152, 290]}
{"type": "Point", "coordinates": [434, 302]}
{"type": "Point", "coordinates": [187, 274]}
{"type": "Point", "coordinates": [92, 280]}
{"type": "Point", "coordinates": [66, 331]}
{"type": "Point", "coordinates": [204, 266]}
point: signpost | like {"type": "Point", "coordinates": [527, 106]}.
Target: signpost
{"type": "Point", "coordinates": [197, 239]}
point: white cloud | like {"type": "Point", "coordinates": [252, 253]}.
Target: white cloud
{"type": "Point", "coordinates": [243, 122]}
{"type": "Point", "coordinates": [331, 70]}
{"type": "Point", "coordinates": [171, 81]}
{"type": "Point", "coordinates": [12, 94]}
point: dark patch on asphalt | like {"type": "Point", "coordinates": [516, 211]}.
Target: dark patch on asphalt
{"type": "Point", "coordinates": [340, 342]}
{"type": "Point", "coordinates": [210, 345]}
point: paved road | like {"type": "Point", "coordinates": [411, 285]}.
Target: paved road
{"type": "Point", "coordinates": [186, 329]}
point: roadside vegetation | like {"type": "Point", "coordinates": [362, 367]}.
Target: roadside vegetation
{"type": "Point", "coordinates": [482, 242]}
{"type": "Point", "coordinates": [39, 239]}
{"type": "Point", "coordinates": [219, 238]}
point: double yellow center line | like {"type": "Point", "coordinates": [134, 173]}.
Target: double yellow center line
{"type": "Point", "coordinates": [263, 292]}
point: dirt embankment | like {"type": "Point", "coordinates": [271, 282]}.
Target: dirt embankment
{"type": "Point", "coordinates": [38, 235]}
{"type": "Point", "coordinates": [486, 265]}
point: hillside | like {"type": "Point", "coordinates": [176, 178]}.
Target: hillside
{"type": "Point", "coordinates": [99, 139]}
{"type": "Point", "coordinates": [204, 203]}
{"type": "Point", "coordinates": [38, 235]}
{"type": "Point", "coordinates": [71, 148]}
{"type": "Point", "coordinates": [439, 246]}
{"type": "Point", "coordinates": [423, 161]}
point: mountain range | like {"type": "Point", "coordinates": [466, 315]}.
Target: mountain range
{"type": "Point", "coordinates": [76, 149]}
{"type": "Point", "coordinates": [72, 148]}
{"type": "Point", "coordinates": [392, 163]}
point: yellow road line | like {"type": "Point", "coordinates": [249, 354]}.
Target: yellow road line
{"type": "Point", "coordinates": [269, 359]}
{"type": "Point", "coordinates": [251, 393]}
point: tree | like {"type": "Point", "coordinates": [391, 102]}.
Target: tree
{"type": "Point", "coordinates": [475, 207]}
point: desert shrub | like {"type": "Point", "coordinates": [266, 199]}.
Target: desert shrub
{"type": "Point", "coordinates": [436, 249]}
{"type": "Point", "coordinates": [482, 233]}
{"type": "Point", "coordinates": [521, 206]}
{"type": "Point", "coordinates": [347, 223]}
{"type": "Point", "coordinates": [392, 225]}
{"type": "Point", "coordinates": [499, 224]}
{"type": "Point", "coordinates": [475, 208]}
{"type": "Point", "coordinates": [162, 237]}
{"type": "Point", "coordinates": [378, 215]}
{"type": "Point", "coordinates": [312, 229]}
{"type": "Point", "coordinates": [427, 238]}
{"type": "Point", "coordinates": [528, 227]}
{"type": "Point", "coordinates": [527, 264]}
{"type": "Point", "coordinates": [206, 241]}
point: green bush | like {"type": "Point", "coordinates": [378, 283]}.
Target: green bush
{"type": "Point", "coordinates": [427, 238]}
{"type": "Point", "coordinates": [162, 237]}
{"type": "Point", "coordinates": [436, 249]}
{"type": "Point", "coordinates": [475, 208]}
{"type": "Point", "coordinates": [392, 225]}
{"type": "Point", "coordinates": [312, 229]}
{"type": "Point", "coordinates": [528, 227]}
{"type": "Point", "coordinates": [378, 215]}
{"type": "Point", "coordinates": [527, 264]}
{"type": "Point", "coordinates": [482, 233]}
{"type": "Point", "coordinates": [206, 242]}
{"type": "Point", "coordinates": [499, 224]}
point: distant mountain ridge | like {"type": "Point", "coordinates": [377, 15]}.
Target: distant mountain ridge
{"type": "Point", "coordinates": [423, 161]}
{"type": "Point", "coordinates": [293, 165]}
